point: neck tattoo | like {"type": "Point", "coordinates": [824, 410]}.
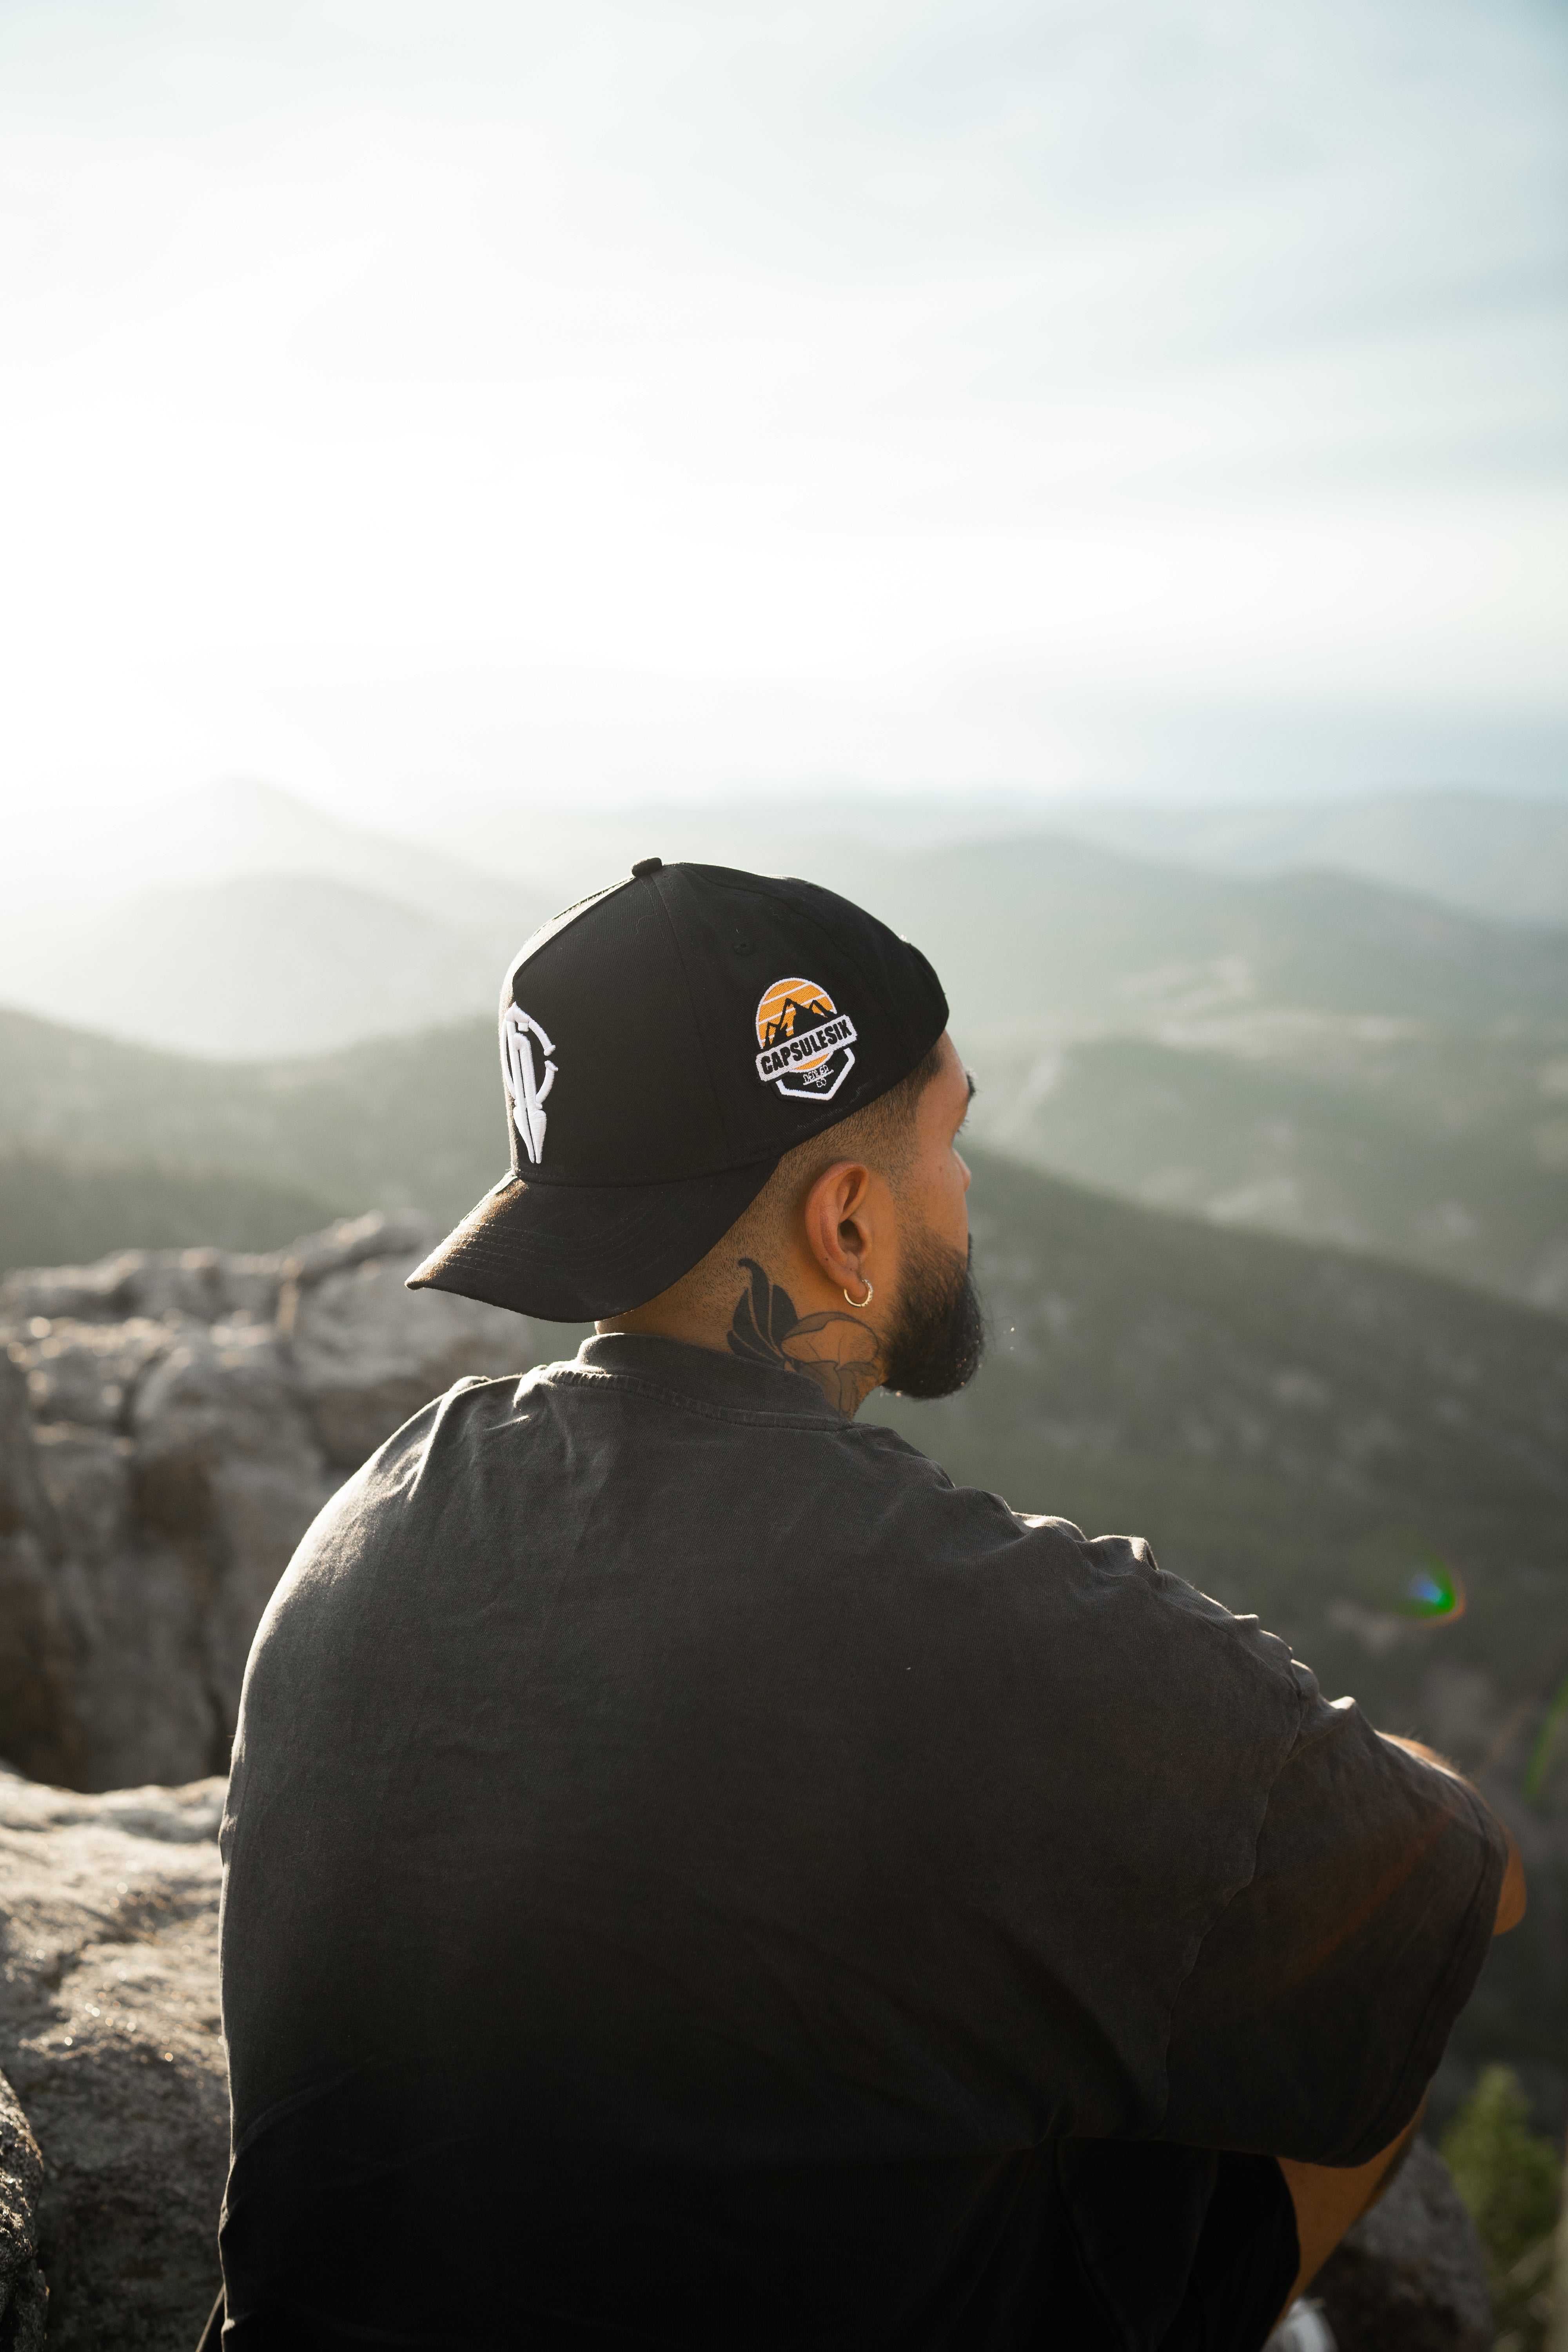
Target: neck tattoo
{"type": "Point", "coordinates": [840, 1352]}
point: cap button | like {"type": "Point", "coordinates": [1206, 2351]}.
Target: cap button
{"type": "Point", "coordinates": [646, 866]}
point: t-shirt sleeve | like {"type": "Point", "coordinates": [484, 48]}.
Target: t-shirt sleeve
{"type": "Point", "coordinates": [1321, 1998]}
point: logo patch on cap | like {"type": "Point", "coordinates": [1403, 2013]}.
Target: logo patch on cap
{"type": "Point", "coordinates": [806, 1041]}
{"type": "Point", "coordinates": [526, 1085]}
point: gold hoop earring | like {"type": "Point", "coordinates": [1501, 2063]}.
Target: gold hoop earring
{"type": "Point", "coordinates": [870, 1294]}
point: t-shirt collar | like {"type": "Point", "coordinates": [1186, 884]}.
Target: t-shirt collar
{"type": "Point", "coordinates": [708, 1376]}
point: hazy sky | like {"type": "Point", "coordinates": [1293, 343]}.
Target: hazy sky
{"type": "Point", "coordinates": [687, 395]}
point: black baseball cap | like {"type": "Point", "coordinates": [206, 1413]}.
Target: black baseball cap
{"type": "Point", "coordinates": [663, 1044]}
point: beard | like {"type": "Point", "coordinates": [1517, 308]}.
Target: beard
{"type": "Point", "coordinates": [938, 1338]}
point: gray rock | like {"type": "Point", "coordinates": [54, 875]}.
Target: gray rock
{"type": "Point", "coordinates": [226, 1478]}
{"type": "Point", "coordinates": [189, 1816]}
{"type": "Point", "coordinates": [405, 1233]}
{"type": "Point", "coordinates": [1410, 2276]}
{"type": "Point", "coordinates": [140, 1705]}
{"type": "Point", "coordinates": [171, 1421]}
{"type": "Point", "coordinates": [109, 2035]}
{"type": "Point", "coordinates": [205, 1285]}
{"type": "Point", "coordinates": [88, 1294]}
{"type": "Point", "coordinates": [40, 1650]}
{"type": "Point", "coordinates": [88, 1372]}
{"type": "Point", "coordinates": [368, 1352]}
{"type": "Point", "coordinates": [23, 2296]}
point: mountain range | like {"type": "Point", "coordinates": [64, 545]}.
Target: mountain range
{"type": "Point", "coordinates": [243, 891]}
{"type": "Point", "coordinates": [1503, 858]}
{"type": "Point", "coordinates": [149, 928]}
{"type": "Point", "coordinates": [1303, 1052]}
{"type": "Point", "coordinates": [1449, 1151]}
{"type": "Point", "coordinates": [241, 923]}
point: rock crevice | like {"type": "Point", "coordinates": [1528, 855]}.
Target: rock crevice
{"type": "Point", "coordinates": [109, 2038]}
{"type": "Point", "coordinates": [23, 2296]}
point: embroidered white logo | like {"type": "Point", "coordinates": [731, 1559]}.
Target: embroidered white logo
{"type": "Point", "coordinates": [526, 1086]}
{"type": "Point", "coordinates": [806, 1041]}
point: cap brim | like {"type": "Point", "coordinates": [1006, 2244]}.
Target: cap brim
{"type": "Point", "coordinates": [572, 1253]}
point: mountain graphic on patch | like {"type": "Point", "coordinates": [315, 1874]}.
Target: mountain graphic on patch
{"type": "Point", "coordinates": [793, 1014]}
{"type": "Point", "coordinates": [805, 1041]}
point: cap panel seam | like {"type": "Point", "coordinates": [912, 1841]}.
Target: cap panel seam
{"type": "Point", "coordinates": [700, 1025]}
{"type": "Point", "coordinates": [829, 944]}
{"type": "Point", "coordinates": [553, 929]}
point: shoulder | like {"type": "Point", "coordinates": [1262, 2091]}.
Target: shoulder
{"type": "Point", "coordinates": [1103, 1600]}
{"type": "Point", "coordinates": [422, 1459]}
{"type": "Point", "coordinates": [958, 1525]}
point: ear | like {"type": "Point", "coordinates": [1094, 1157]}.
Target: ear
{"type": "Point", "coordinates": [839, 1225]}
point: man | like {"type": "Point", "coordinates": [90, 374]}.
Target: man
{"type": "Point", "coordinates": [697, 1878]}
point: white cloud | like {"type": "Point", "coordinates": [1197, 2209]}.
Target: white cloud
{"type": "Point", "coordinates": [732, 388]}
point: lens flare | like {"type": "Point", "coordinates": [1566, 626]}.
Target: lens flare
{"type": "Point", "coordinates": [1403, 1578]}
{"type": "Point", "coordinates": [1432, 1591]}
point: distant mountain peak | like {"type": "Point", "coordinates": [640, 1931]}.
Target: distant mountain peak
{"type": "Point", "coordinates": [242, 810]}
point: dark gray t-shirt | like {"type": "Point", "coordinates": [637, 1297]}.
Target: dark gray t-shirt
{"type": "Point", "coordinates": [696, 1876]}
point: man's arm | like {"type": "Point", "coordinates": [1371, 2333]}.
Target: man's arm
{"type": "Point", "coordinates": [1512, 1896]}
{"type": "Point", "coordinates": [1328, 2198]}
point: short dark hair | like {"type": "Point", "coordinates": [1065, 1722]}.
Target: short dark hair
{"type": "Point", "coordinates": [891, 1117]}
{"type": "Point", "coordinates": [882, 1134]}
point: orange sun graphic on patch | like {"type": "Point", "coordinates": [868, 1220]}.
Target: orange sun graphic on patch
{"type": "Point", "coordinates": [805, 1041]}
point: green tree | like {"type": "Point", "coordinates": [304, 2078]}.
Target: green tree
{"type": "Point", "coordinates": [1509, 2177]}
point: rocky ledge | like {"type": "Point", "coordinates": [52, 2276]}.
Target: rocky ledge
{"type": "Point", "coordinates": [110, 2040]}
{"type": "Point", "coordinates": [171, 1421]}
